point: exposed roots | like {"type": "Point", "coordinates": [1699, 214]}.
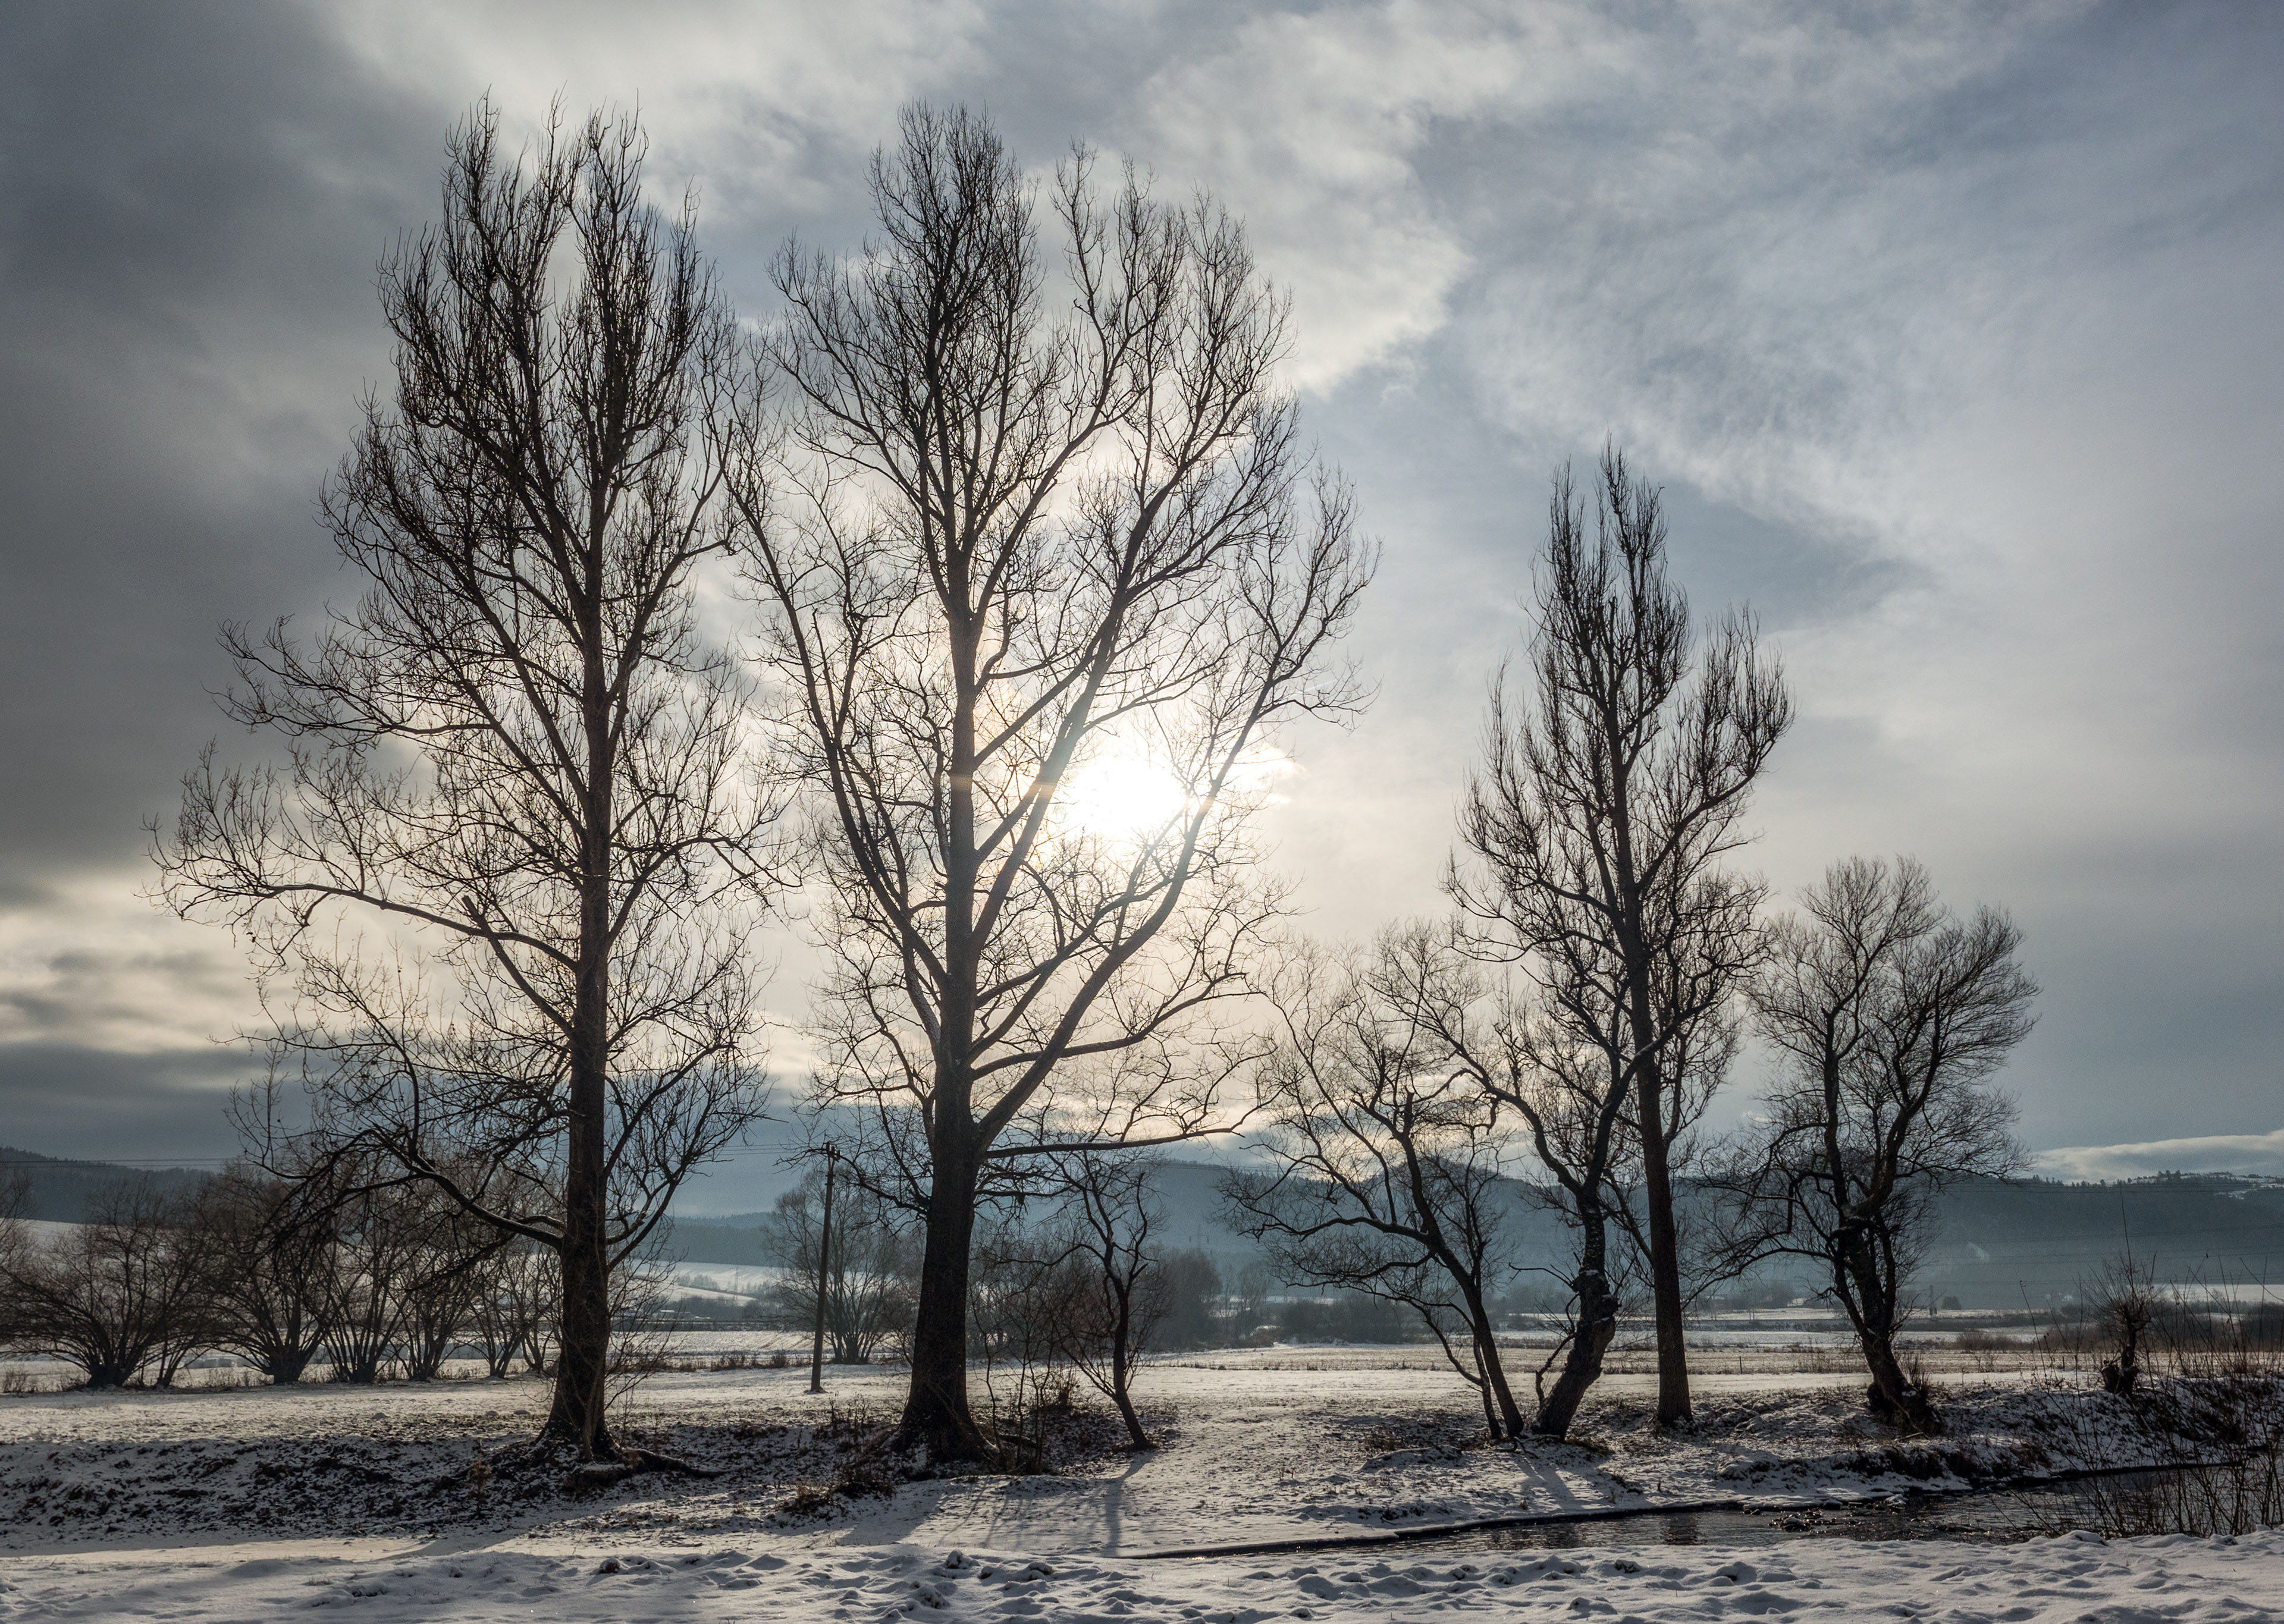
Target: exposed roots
{"type": "Point", "coordinates": [548, 1455]}
{"type": "Point", "coordinates": [602, 1474]}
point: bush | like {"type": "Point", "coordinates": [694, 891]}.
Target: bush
{"type": "Point", "coordinates": [114, 1297]}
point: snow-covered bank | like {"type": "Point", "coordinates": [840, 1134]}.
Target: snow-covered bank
{"type": "Point", "coordinates": [2071, 1577]}
{"type": "Point", "coordinates": [1265, 1450]}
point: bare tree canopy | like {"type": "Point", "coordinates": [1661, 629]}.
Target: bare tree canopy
{"type": "Point", "coordinates": [516, 762]}
{"type": "Point", "coordinates": [1044, 526]}
{"type": "Point", "coordinates": [1120, 1297]}
{"type": "Point", "coordinates": [117, 1295]}
{"type": "Point", "coordinates": [1892, 1014]}
{"type": "Point", "coordinates": [1596, 825]}
{"type": "Point", "coordinates": [1387, 1163]}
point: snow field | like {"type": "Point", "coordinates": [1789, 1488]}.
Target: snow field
{"type": "Point", "coordinates": [2073, 1577]}
{"type": "Point", "coordinates": [244, 1505]}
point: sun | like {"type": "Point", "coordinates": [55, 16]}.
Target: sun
{"type": "Point", "coordinates": [1122, 797]}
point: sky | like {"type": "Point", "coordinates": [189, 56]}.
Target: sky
{"type": "Point", "coordinates": [1951, 330]}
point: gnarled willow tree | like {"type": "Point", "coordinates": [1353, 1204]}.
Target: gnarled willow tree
{"type": "Point", "coordinates": [1891, 1014]}
{"type": "Point", "coordinates": [507, 865]}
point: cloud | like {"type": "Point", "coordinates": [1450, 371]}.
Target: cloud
{"type": "Point", "coordinates": [2262, 1153]}
{"type": "Point", "coordinates": [67, 1099]}
{"type": "Point", "coordinates": [1311, 127]}
{"type": "Point", "coordinates": [1950, 327]}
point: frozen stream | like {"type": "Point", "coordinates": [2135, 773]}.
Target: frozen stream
{"type": "Point", "coordinates": [1996, 1515]}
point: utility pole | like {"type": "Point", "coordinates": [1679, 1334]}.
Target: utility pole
{"type": "Point", "coordinates": [823, 1275]}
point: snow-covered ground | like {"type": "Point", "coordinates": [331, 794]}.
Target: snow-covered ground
{"type": "Point", "coordinates": [740, 1279]}
{"type": "Point", "coordinates": [2171, 1579]}
{"type": "Point", "coordinates": [237, 1505]}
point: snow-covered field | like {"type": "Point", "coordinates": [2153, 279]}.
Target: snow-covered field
{"type": "Point", "coordinates": [239, 1504]}
{"type": "Point", "coordinates": [2068, 1577]}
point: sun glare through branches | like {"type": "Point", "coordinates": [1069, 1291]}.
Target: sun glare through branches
{"type": "Point", "coordinates": [1126, 798]}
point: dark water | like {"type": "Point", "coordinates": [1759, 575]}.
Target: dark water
{"type": "Point", "coordinates": [1993, 1515]}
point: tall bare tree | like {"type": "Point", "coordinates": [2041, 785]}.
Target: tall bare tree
{"type": "Point", "coordinates": [1386, 1175]}
{"type": "Point", "coordinates": [1599, 821]}
{"type": "Point", "coordinates": [868, 1266]}
{"type": "Point", "coordinates": [1892, 1014]}
{"type": "Point", "coordinates": [1043, 526]}
{"type": "Point", "coordinates": [516, 759]}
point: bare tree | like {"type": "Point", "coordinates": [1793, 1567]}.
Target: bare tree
{"type": "Point", "coordinates": [445, 1281]}
{"type": "Point", "coordinates": [868, 1270]}
{"type": "Point", "coordinates": [510, 1305]}
{"type": "Point", "coordinates": [1555, 1057]}
{"type": "Point", "coordinates": [265, 1261]}
{"type": "Point", "coordinates": [2124, 1296]}
{"type": "Point", "coordinates": [377, 1240]}
{"type": "Point", "coordinates": [1108, 1216]}
{"type": "Point", "coordinates": [1891, 1014]}
{"type": "Point", "coordinates": [1597, 824]}
{"type": "Point", "coordinates": [516, 760]}
{"type": "Point", "coordinates": [116, 1295]}
{"type": "Point", "coordinates": [1387, 1177]}
{"type": "Point", "coordinates": [1025, 549]}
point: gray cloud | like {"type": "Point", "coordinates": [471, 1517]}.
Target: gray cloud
{"type": "Point", "coordinates": [1950, 327]}
{"type": "Point", "coordinates": [65, 1099]}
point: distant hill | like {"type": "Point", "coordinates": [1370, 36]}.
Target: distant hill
{"type": "Point", "coordinates": [735, 1238]}
{"type": "Point", "coordinates": [60, 1191]}
{"type": "Point", "coordinates": [1999, 1244]}
{"type": "Point", "coordinates": [1996, 1243]}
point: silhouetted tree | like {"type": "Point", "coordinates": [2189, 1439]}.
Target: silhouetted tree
{"type": "Point", "coordinates": [512, 1303]}
{"type": "Point", "coordinates": [114, 1296]}
{"type": "Point", "coordinates": [1554, 1056]}
{"type": "Point", "coordinates": [1025, 546]}
{"type": "Point", "coordinates": [265, 1259]}
{"type": "Point", "coordinates": [869, 1268]}
{"type": "Point", "coordinates": [1120, 1297]}
{"type": "Point", "coordinates": [1891, 1014]}
{"type": "Point", "coordinates": [516, 759]}
{"type": "Point", "coordinates": [1597, 824]}
{"type": "Point", "coordinates": [1386, 1174]}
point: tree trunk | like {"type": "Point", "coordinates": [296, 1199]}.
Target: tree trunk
{"type": "Point", "coordinates": [1673, 1409]}
{"type": "Point", "coordinates": [1122, 1367]}
{"type": "Point", "coordinates": [1120, 1371]}
{"type": "Point", "coordinates": [936, 1416]}
{"type": "Point", "coordinates": [582, 1355]}
{"type": "Point", "coordinates": [824, 1284]}
{"type": "Point", "coordinates": [1598, 1327]}
{"type": "Point", "coordinates": [1893, 1396]}
{"type": "Point", "coordinates": [1871, 1300]}
{"type": "Point", "coordinates": [583, 1347]}
{"type": "Point", "coordinates": [1499, 1399]}
{"type": "Point", "coordinates": [284, 1366]}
